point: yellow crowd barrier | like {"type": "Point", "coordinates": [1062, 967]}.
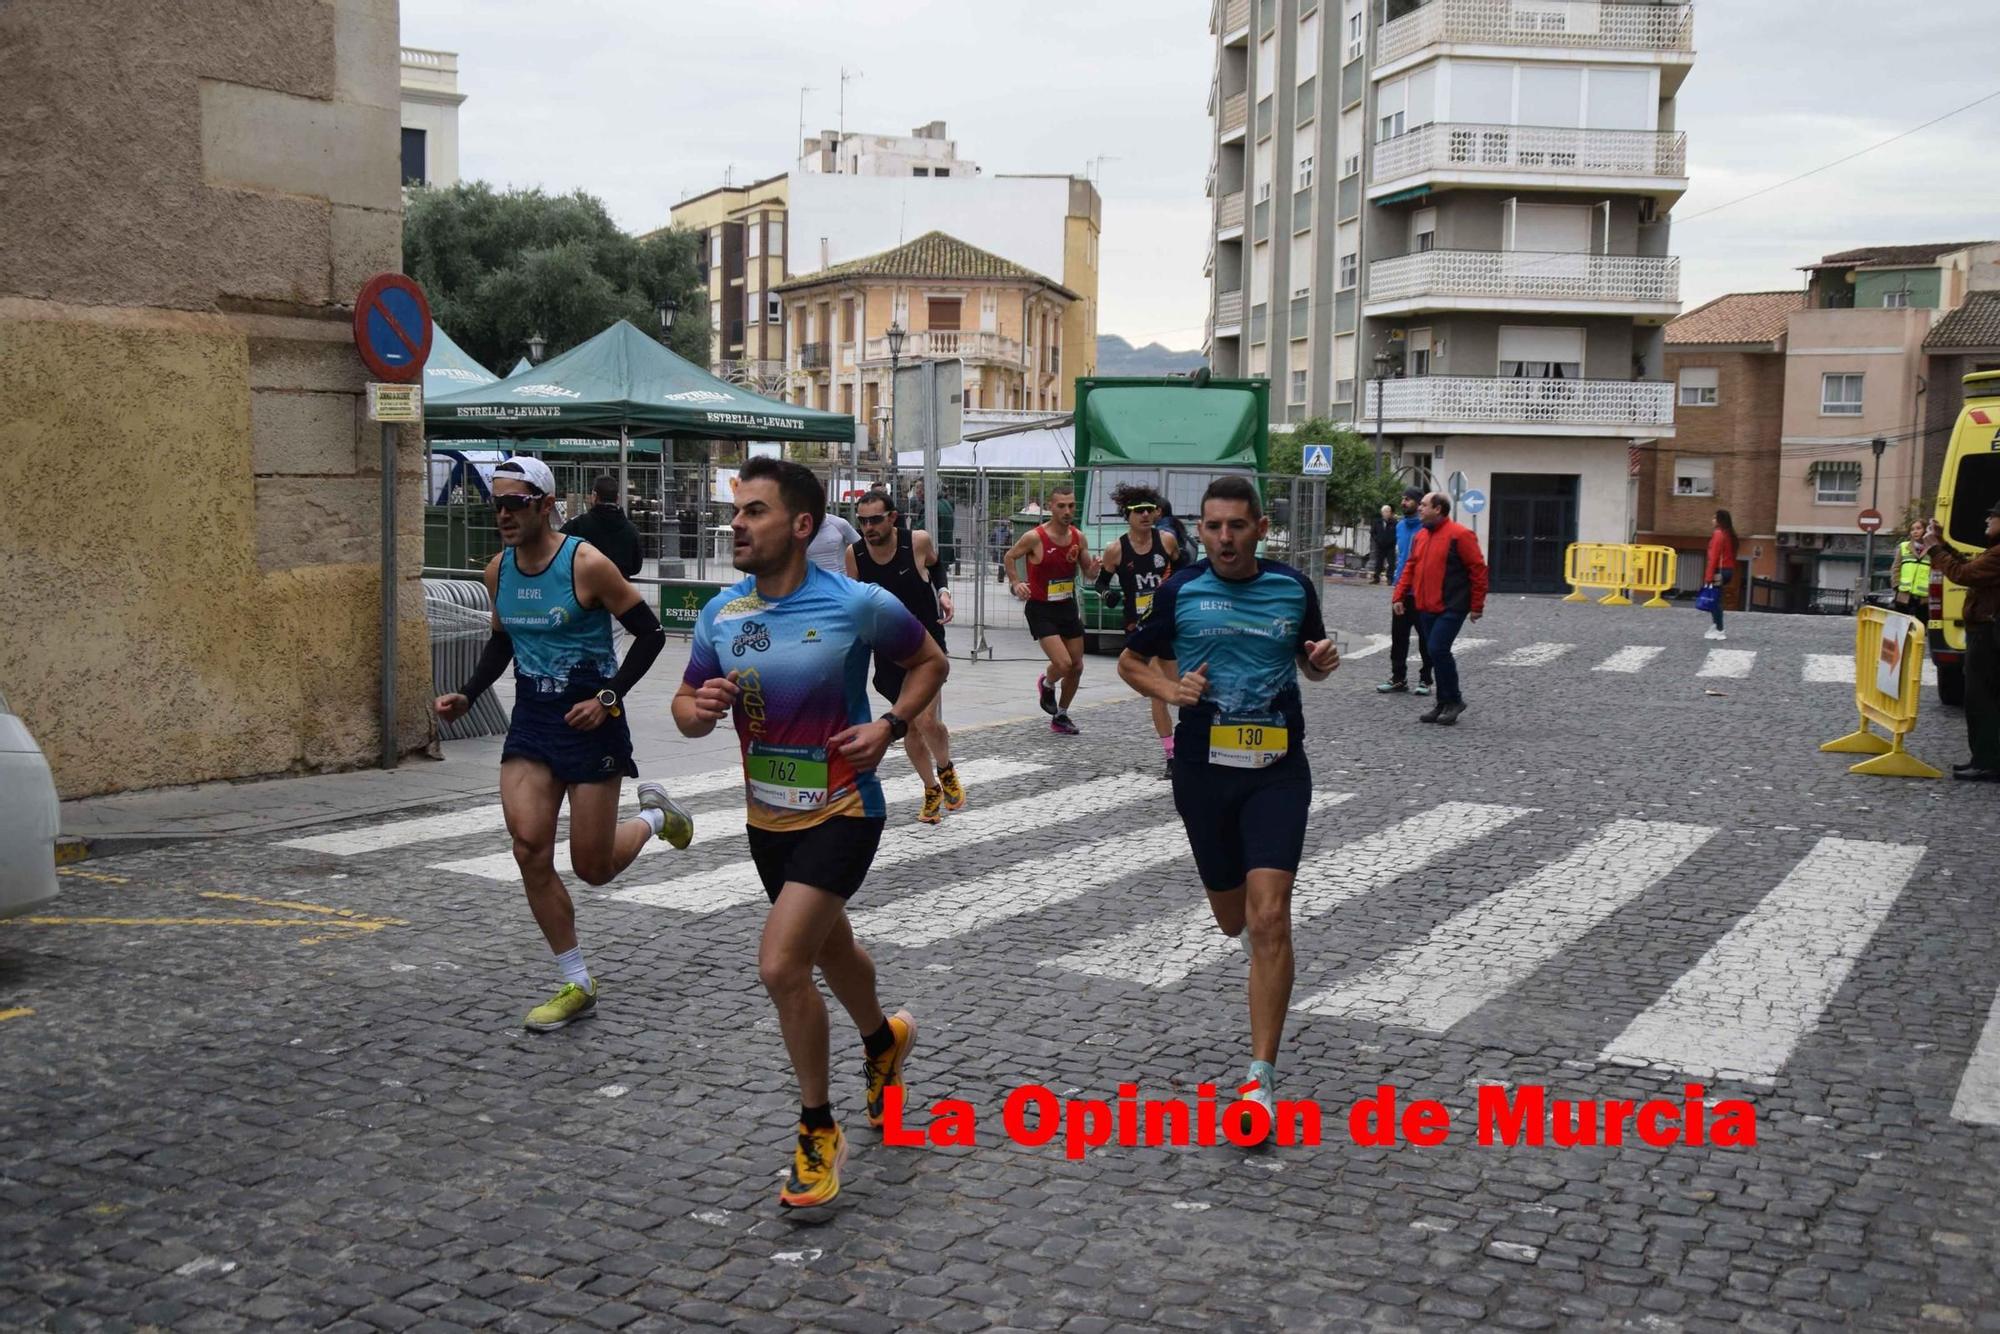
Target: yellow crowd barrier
{"type": "Point", "coordinates": [1653, 571]}
{"type": "Point", "coordinates": [1888, 651]}
{"type": "Point", "coordinates": [1603, 565]}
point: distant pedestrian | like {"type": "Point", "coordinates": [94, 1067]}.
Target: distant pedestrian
{"type": "Point", "coordinates": [1721, 567]}
{"type": "Point", "coordinates": [1444, 582]}
{"type": "Point", "coordinates": [947, 523]}
{"type": "Point", "coordinates": [1184, 546]}
{"type": "Point", "coordinates": [1913, 575]}
{"type": "Point", "coordinates": [1383, 536]}
{"type": "Point", "coordinates": [1980, 576]}
{"type": "Point", "coordinates": [605, 527]}
{"type": "Point", "coordinates": [1402, 620]}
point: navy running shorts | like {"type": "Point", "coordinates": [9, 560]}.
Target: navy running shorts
{"type": "Point", "coordinates": [1242, 820]}
{"type": "Point", "coordinates": [833, 855]}
{"type": "Point", "coordinates": [538, 732]}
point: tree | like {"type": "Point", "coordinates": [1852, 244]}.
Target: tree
{"type": "Point", "coordinates": [501, 266]}
{"type": "Point", "coordinates": [1355, 490]}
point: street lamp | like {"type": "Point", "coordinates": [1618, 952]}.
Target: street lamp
{"type": "Point", "coordinates": [667, 309]}
{"type": "Point", "coordinates": [1383, 360]}
{"type": "Point", "coordinates": [537, 345]}
{"type": "Point", "coordinates": [895, 334]}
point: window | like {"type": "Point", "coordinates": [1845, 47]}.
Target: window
{"type": "Point", "coordinates": [1694, 477]}
{"type": "Point", "coordinates": [1351, 164]}
{"type": "Point", "coordinates": [1836, 483]}
{"type": "Point", "coordinates": [1308, 47]}
{"type": "Point", "coordinates": [1419, 356]}
{"type": "Point", "coordinates": [1305, 173]}
{"type": "Point", "coordinates": [1839, 395]}
{"type": "Point", "coordinates": [942, 313]}
{"type": "Point", "coordinates": [1389, 127]}
{"type": "Point", "coordinates": [1536, 353]}
{"type": "Point", "coordinates": [774, 308]}
{"type": "Point", "coordinates": [1896, 300]}
{"type": "Point", "coordinates": [1350, 270]}
{"type": "Point", "coordinates": [1698, 390]}
{"type": "Point", "coordinates": [920, 171]}
{"type": "Point", "coordinates": [1343, 391]}
{"type": "Point", "coordinates": [942, 171]}
{"type": "Point", "coordinates": [1298, 387]}
{"type": "Point", "coordinates": [1423, 230]}
{"type": "Point", "coordinates": [749, 307]}
{"type": "Point", "coordinates": [753, 240]}
{"type": "Point", "coordinates": [715, 249]}
{"type": "Point", "coordinates": [413, 157]}
{"type": "Point", "coordinates": [777, 239]}
{"type": "Point", "coordinates": [1354, 38]}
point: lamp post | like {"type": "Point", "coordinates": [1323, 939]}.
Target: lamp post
{"type": "Point", "coordinates": [895, 334]}
{"type": "Point", "coordinates": [1878, 444]}
{"type": "Point", "coordinates": [666, 308]}
{"type": "Point", "coordinates": [537, 345]}
{"type": "Point", "coordinates": [1382, 363]}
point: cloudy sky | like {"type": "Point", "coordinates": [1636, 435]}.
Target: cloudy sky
{"type": "Point", "coordinates": [643, 103]}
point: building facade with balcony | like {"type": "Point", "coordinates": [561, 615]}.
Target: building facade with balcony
{"type": "Point", "coordinates": [1465, 200]}
{"type": "Point", "coordinates": [430, 103]}
{"type": "Point", "coordinates": [949, 300]}
{"type": "Point", "coordinates": [742, 259]}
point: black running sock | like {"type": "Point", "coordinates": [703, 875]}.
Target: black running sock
{"type": "Point", "coordinates": [817, 1118]}
{"type": "Point", "coordinates": [879, 1041]}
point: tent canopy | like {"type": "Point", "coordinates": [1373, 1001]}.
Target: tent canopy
{"type": "Point", "coordinates": [624, 380]}
{"type": "Point", "coordinates": [450, 369]}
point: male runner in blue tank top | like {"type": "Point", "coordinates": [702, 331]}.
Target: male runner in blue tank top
{"type": "Point", "coordinates": [1240, 628]}
{"type": "Point", "coordinates": [553, 600]}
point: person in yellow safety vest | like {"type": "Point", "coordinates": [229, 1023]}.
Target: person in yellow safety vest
{"type": "Point", "coordinates": [1913, 575]}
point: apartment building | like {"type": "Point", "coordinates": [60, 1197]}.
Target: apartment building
{"type": "Point", "coordinates": [1447, 220]}
{"type": "Point", "coordinates": [430, 103]}
{"type": "Point", "coordinates": [948, 299]}
{"type": "Point", "coordinates": [743, 259]}
{"type": "Point", "coordinates": [924, 151]}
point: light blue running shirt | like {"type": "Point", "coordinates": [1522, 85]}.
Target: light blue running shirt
{"type": "Point", "coordinates": [554, 634]}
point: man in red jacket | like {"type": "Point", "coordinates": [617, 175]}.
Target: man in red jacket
{"type": "Point", "coordinates": [1445, 577]}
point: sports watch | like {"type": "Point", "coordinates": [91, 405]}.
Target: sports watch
{"type": "Point", "coordinates": [609, 699]}
{"type": "Point", "coordinates": [898, 728]}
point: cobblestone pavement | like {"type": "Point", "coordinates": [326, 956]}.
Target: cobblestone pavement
{"type": "Point", "coordinates": [282, 1082]}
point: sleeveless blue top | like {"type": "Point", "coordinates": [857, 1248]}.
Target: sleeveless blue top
{"type": "Point", "coordinates": [554, 634]}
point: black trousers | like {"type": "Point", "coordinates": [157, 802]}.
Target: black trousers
{"type": "Point", "coordinates": [1982, 694]}
{"type": "Point", "coordinates": [1399, 649]}
{"type": "Point", "coordinates": [1381, 565]}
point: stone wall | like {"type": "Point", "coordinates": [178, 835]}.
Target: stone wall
{"type": "Point", "coordinates": [195, 193]}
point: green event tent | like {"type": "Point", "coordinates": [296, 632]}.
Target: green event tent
{"type": "Point", "coordinates": [624, 384]}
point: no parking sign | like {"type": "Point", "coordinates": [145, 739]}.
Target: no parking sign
{"type": "Point", "coordinates": [392, 327]}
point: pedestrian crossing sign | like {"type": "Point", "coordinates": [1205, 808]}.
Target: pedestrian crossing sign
{"type": "Point", "coordinates": [1318, 461]}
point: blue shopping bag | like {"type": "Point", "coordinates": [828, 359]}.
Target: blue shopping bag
{"type": "Point", "coordinates": [1708, 599]}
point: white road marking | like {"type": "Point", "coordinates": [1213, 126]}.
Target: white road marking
{"type": "Point", "coordinates": [500, 865]}
{"type": "Point", "coordinates": [1533, 655]}
{"type": "Point", "coordinates": [738, 883]}
{"type": "Point", "coordinates": [1161, 953]}
{"type": "Point", "coordinates": [1832, 669]}
{"type": "Point", "coordinates": [1730, 663]}
{"type": "Point", "coordinates": [1490, 947]}
{"type": "Point", "coordinates": [1375, 644]}
{"type": "Point", "coordinates": [956, 909]}
{"type": "Point", "coordinates": [1631, 658]}
{"type": "Point", "coordinates": [1978, 1099]}
{"type": "Point", "coordinates": [1744, 1006]}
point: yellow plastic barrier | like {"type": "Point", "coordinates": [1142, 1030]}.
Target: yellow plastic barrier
{"type": "Point", "coordinates": [1653, 571]}
{"type": "Point", "coordinates": [1888, 648]}
{"type": "Point", "coordinates": [1598, 565]}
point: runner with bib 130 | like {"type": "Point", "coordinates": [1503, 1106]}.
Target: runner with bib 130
{"type": "Point", "coordinates": [1141, 559]}
{"type": "Point", "coordinates": [1053, 553]}
{"type": "Point", "coordinates": [784, 652]}
{"type": "Point", "coordinates": [1241, 627]}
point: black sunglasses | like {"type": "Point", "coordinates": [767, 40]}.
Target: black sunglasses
{"type": "Point", "coordinates": [513, 503]}
{"type": "Point", "coordinates": [870, 520]}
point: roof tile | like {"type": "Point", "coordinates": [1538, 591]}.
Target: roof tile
{"type": "Point", "coordinates": [1740, 317]}
{"type": "Point", "coordinates": [1974, 324]}
{"type": "Point", "coordinates": [1895, 255]}
{"type": "Point", "coordinates": [932, 255]}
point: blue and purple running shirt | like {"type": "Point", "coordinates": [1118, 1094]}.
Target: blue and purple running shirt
{"type": "Point", "coordinates": [801, 662]}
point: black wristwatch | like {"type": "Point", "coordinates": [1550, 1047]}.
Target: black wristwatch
{"type": "Point", "coordinates": [609, 699]}
{"type": "Point", "coordinates": [898, 729]}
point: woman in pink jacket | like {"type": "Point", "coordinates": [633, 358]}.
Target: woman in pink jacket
{"type": "Point", "coordinates": [1721, 566]}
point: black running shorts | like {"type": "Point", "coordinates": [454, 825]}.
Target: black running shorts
{"type": "Point", "coordinates": [833, 855]}
{"type": "Point", "coordinates": [1054, 618]}
{"type": "Point", "coordinates": [1241, 820]}
{"type": "Point", "coordinates": [889, 675]}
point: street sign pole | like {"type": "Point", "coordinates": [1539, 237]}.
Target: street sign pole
{"type": "Point", "coordinates": [1878, 444]}
{"type": "Point", "coordinates": [931, 451]}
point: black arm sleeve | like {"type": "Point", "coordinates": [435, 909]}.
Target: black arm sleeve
{"type": "Point", "coordinates": [493, 660]}
{"type": "Point", "coordinates": [648, 638]}
{"type": "Point", "coordinates": [939, 580]}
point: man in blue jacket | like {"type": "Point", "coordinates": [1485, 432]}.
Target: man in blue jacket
{"type": "Point", "coordinates": [1400, 625]}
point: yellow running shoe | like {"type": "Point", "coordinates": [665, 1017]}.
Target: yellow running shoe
{"type": "Point", "coordinates": [815, 1177]}
{"type": "Point", "coordinates": [933, 811]}
{"type": "Point", "coordinates": [565, 1007]}
{"type": "Point", "coordinates": [954, 791]}
{"type": "Point", "coordinates": [678, 826]}
{"type": "Point", "coordinates": [886, 1071]}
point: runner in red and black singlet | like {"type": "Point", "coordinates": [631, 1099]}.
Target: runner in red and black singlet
{"type": "Point", "coordinates": [906, 564]}
{"type": "Point", "coordinates": [1141, 559]}
{"type": "Point", "coordinates": [1052, 556]}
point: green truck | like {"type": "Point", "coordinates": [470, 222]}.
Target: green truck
{"type": "Point", "coordinates": [1173, 433]}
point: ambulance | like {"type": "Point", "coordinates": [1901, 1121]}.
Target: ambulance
{"type": "Point", "coordinates": [1969, 488]}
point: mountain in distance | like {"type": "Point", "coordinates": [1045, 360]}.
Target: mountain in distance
{"type": "Point", "coordinates": [1115, 356]}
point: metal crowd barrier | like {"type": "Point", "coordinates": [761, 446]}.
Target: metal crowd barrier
{"type": "Point", "coordinates": [1888, 647]}
{"type": "Point", "coordinates": [461, 618]}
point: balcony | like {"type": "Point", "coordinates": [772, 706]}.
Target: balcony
{"type": "Point", "coordinates": [1525, 280]}
{"type": "Point", "coordinates": [1228, 313]}
{"type": "Point", "coordinates": [971, 345]}
{"type": "Point", "coordinates": [1235, 20]}
{"type": "Point", "coordinates": [1229, 212]}
{"type": "Point", "coordinates": [1443, 156]}
{"type": "Point", "coordinates": [1481, 405]}
{"type": "Point", "coordinates": [811, 357]}
{"type": "Point", "coordinates": [1660, 34]}
{"type": "Point", "coordinates": [1235, 115]}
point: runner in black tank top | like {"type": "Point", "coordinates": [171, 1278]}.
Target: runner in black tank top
{"type": "Point", "coordinates": [906, 563]}
{"type": "Point", "coordinates": [1142, 559]}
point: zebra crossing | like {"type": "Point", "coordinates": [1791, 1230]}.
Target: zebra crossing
{"type": "Point", "coordinates": [1739, 1012]}
{"type": "Point", "coordinates": [1637, 659]}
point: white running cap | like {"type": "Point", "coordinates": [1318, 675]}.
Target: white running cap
{"type": "Point", "coordinates": [532, 471]}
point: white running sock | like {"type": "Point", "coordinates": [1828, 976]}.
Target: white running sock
{"type": "Point", "coordinates": [573, 969]}
{"type": "Point", "coordinates": [655, 818]}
